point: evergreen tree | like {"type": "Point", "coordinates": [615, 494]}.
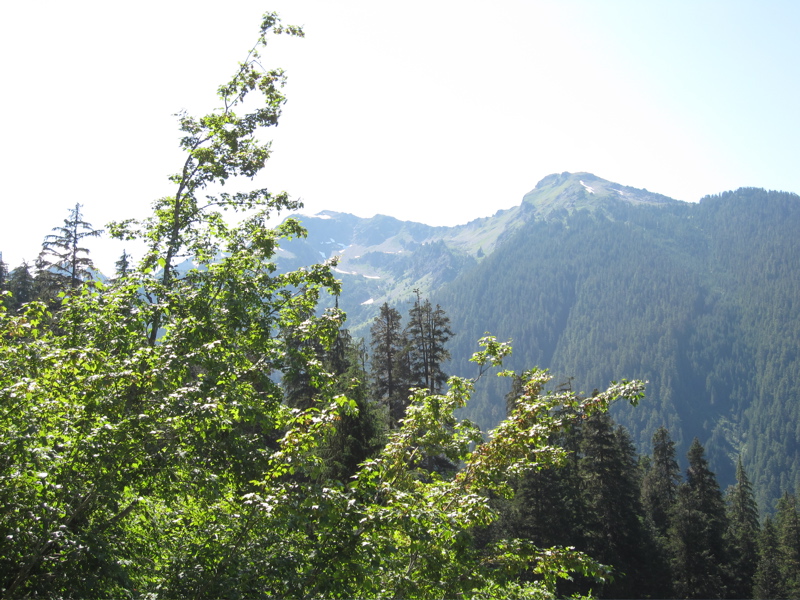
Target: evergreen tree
{"type": "Point", "coordinates": [47, 284]}
{"type": "Point", "coordinates": [788, 529]}
{"type": "Point", "coordinates": [389, 366]}
{"type": "Point", "coordinates": [547, 506]}
{"type": "Point", "coordinates": [660, 481]}
{"type": "Point", "coordinates": [742, 535]}
{"type": "Point", "coordinates": [427, 333]}
{"type": "Point", "coordinates": [62, 255]}
{"type": "Point", "coordinates": [123, 265]}
{"type": "Point", "coordinates": [21, 285]}
{"type": "Point", "coordinates": [307, 352]}
{"type": "Point", "coordinates": [696, 533]}
{"type": "Point", "coordinates": [659, 490]}
{"type": "Point", "coordinates": [613, 528]}
{"type": "Point", "coordinates": [359, 434]}
{"type": "Point", "coordinates": [3, 273]}
{"type": "Point", "coordinates": [768, 580]}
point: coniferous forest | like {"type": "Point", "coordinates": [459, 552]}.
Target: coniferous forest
{"type": "Point", "coordinates": [219, 432]}
{"type": "Point", "coordinates": [697, 299]}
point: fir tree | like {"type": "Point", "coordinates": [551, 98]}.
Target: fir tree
{"type": "Point", "coordinates": [427, 333]}
{"type": "Point", "coordinates": [696, 534]}
{"type": "Point", "coordinates": [389, 367]}
{"type": "Point", "coordinates": [359, 434]}
{"type": "Point", "coordinates": [123, 265]}
{"type": "Point", "coordinates": [611, 498]}
{"type": "Point", "coordinates": [742, 534]}
{"type": "Point", "coordinates": [660, 481]}
{"type": "Point", "coordinates": [788, 529]}
{"type": "Point", "coordinates": [3, 273]}
{"type": "Point", "coordinates": [767, 580]}
{"type": "Point", "coordinates": [21, 285]}
{"type": "Point", "coordinates": [62, 255]}
{"type": "Point", "coordinates": [307, 351]}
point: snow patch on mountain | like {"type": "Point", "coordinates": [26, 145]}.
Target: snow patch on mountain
{"type": "Point", "coordinates": [370, 301]}
{"type": "Point", "coordinates": [589, 188]}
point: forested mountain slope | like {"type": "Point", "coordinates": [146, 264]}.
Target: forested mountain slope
{"type": "Point", "coordinates": [596, 280]}
{"type": "Point", "coordinates": [700, 299]}
{"type": "Point", "coordinates": [382, 259]}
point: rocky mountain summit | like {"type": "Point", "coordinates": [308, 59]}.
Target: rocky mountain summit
{"type": "Point", "coordinates": [382, 259]}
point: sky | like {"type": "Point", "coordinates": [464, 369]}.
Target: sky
{"type": "Point", "coordinates": [437, 111]}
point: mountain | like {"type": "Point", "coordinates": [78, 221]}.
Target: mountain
{"type": "Point", "coordinates": [599, 281]}
{"type": "Point", "coordinates": [583, 191]}
{"type": "Point", "coordinates": [382, 259]}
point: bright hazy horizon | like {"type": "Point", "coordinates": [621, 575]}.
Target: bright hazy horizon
{"type": "Point", "coordinates": [439, 112]}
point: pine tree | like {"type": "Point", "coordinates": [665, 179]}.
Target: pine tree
{"type": "Point", "coordinates": [389, 367]}
{"type": "Point", "coordinates": [21, 285]}
{"type": "Point", "coordinates": [660, 481]}
{"type": "Point", "coordinates": [787, 522]}
{"type": "Point", "coordinates": [696, 533]}
{"type": "Point", "coordinates": [427, 333]}
{"type": "Point", "coordinates": [3, 273]}
{"type": "Point", "coordinates": [768, 580]}
{"type": "Point", "coordinates": [123, 265]}
{"type": "Point", "coordinates": [742, 534]}
{"type": "Point", "coordinates": [62, 256]}
{"type": "Point", "coordinates": [614, 532]}
{"type": "Point", "coordinates": [361, 434]}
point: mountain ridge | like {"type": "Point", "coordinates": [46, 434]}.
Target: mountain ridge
{"type": "Point", "coordinates": [379, 257]}
{"type": "Point", "coordinates": [599, 281]}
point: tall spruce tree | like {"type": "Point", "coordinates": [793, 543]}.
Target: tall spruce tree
{"type": "Point", "coordinates": [614, 533]}
{"type": "Point", "coordinates": [660, 481]}
{"type": "Point", "coordinates": [768, 579]}
{"type": "Point", "coordinates": [659, 490]}
{"type": "Point", "coordinates": [389, 368]}
{"type": "Point", "coordinates": [63, 256]}
{"type": "Point", "coordinates": [696, 533]}
{"type": "Point", "coordinates": [123, 266]}
{"type": "Point", "coordinates": [308, 353]}
{"type": "Point", "coordinates": [426, 334]}
{"type": "Point", "coordinates": [3, 273]}
{"type": "Point", "coordinates": [787, 522]}
{"type": "Point", "coordinates": [361, 433]}
{"type": "Point", "coordinates": [20, 283]}
{"type": "Point", "coordinates": [742, 534]}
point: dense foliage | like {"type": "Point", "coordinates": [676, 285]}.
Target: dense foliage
{"type": "Point", "coordinates": [665, 536]}
{"type": "Point", "coordinates": [204, 434]}
{"type": "Point", "coordinates": [697, 299]}
{"type": "Point", "coordinates": [213, 433]}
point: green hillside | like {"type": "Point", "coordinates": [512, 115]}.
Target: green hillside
{"type": "Point", "coordinates": [700, 299]}
{"type": "Point", "coordinates": [596, 280]}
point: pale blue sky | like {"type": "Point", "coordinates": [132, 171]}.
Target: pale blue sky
{"type": "Point", "coordinates": [439, 111]}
